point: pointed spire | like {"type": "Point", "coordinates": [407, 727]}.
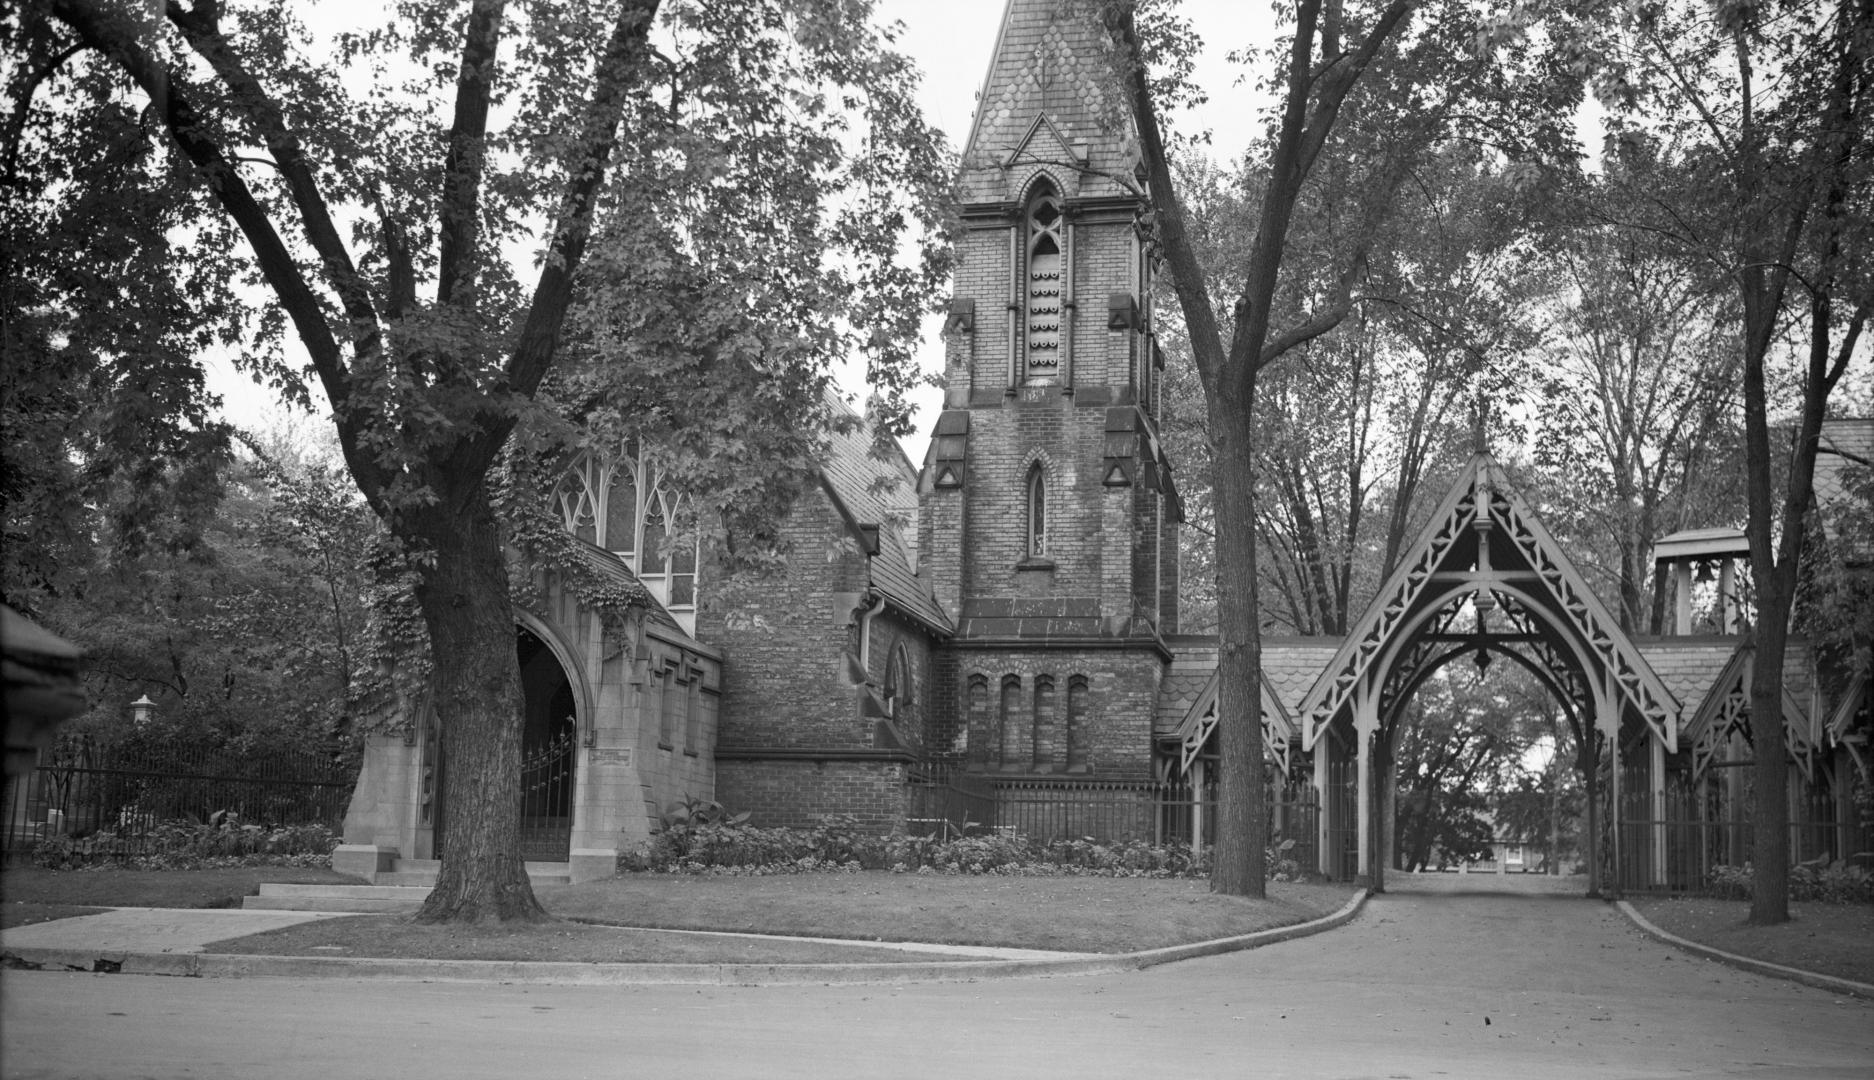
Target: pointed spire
{"type": "Point", "coordinates": [1050, 101]}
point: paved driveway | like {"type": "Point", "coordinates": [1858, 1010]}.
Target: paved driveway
{"type": "Point", "coordinates": [1429, 981]}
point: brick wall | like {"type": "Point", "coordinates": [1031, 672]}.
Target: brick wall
{"type": "Point", "coordinates": [798, 794]}
{"type": "Point", "coordinates": [784, 679]}
{"type": "Point", "coordinates": [1020, 708]}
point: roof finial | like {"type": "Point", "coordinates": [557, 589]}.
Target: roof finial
{"type": "Point", "coordinates": [1480, 423]}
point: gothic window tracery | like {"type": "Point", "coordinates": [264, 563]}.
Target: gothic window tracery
{"type": "Point", "coordinates": [1044, 286]}
{"type": "Point", "coordinates": [619, 504]}
{"type": "Point", "coordinates": [577, 507]}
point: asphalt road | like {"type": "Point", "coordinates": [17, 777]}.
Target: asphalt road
{"type": "Point", "coordinates": [1429, 981]}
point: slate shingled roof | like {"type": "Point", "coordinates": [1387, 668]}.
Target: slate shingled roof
{"type": "Point", "coordinates": [1854, 438]}
{"type": "Point", "coordinates": [1687, 665]}
{"type": "Point", "coordinates": [1290, 665]}
{"type": "Point", "coordinates": [1049, 66]}
{"type": "Point", "coordinates": [880, 494]}
{"type": "Point", "coordinates": [1844, 445]}
{"type": "Point", "coordinates": [1696, 670]}
{"type": "Point", "coordinates": [1193, 664]}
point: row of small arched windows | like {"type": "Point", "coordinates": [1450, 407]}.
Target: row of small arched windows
{"type": "Point", "coordinates": [1030, 725]}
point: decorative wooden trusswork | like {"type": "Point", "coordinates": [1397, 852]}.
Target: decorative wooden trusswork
{"type": "Point", "coordinates": [1383, 619]}
{"type": "Point", "coordinates": [1278, 727]}
{"type": "Point", "coordinates": [1590, 618]}
{"type": "Point", "coordinates": [1449, 566]}
{"type": "Point", "coordinates": [1725, 712]}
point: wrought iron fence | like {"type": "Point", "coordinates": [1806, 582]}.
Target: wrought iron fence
{"type": "Point", "coordinates": [1675, 842]}
{"type": "Point", "coordinates": [951, 801]}
{"type": "Point", "coordinates": [113, 796]}
{"type": "Point", "coordinates": [1343, 810]}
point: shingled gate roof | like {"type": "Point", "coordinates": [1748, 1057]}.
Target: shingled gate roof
{"type": "Point", "coordinates": [1726, 706]}
{"type": "Point", "coordinates": [1187, 700]}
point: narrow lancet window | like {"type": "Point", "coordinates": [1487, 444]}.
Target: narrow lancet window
{"type": "Point", "coordinates": [1037, 511]}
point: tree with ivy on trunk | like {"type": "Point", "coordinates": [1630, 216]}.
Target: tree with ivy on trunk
{"type": "Point", "coordinates": [382, 180]}
{"type": "Point", "coordinates": [1460, 73]}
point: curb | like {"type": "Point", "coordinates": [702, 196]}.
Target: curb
{"type": "Point", "coordinates": [559, 973]}
{"type": "Point", "coordinates": [1816, 979]}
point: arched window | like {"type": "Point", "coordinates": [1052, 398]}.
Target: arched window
{"type": "Point", "coordinates": [627, 508]}
{"type": "Point", "coordinates": [621, 509]}
{"type": "Point", "coordinates": [1044, 723]}
{"type": "Point", "coordinates": [1077, 733]}
{"type": "Point", "coordinates": [898, 688]}
{"type": "Point", "coordinates": [578, 509]}
{"type": "Point", "coordinates": [654, 559]}
{"type": "Point", "coordinates": [1045, 279]}
{"type": "Point", "coordinates": [683, 554]}
{"type": "Point", "coordinates": [1037, 511]}
{"type": "Point", "coordinates": [1010, 722]}
{"type": "Point", "coordinates": [977, 735]}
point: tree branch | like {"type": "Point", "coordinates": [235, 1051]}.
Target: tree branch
{"type": "Point", "coordinates": [465, 163]}
{"type": "Point", "coordinates": [201, 29]}
{"type": "Point", "coordinates": [540, 333]}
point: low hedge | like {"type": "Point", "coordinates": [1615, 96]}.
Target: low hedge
{"type": "Point", "coordinates": [189, 845]}
{"type": "Point", "coordinates": [720, 844]}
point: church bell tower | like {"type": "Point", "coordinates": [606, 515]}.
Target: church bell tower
{"type": "Point", "coordinates": [1048, 515]}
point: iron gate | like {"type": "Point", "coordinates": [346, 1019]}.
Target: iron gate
{"type": "Point", "coordinates": [547, 800]}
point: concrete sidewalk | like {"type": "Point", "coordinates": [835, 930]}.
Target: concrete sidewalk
{"type": "Point", "coordinates": [151, 930]}
{"type": "Point", "coordinates": [172, 941]}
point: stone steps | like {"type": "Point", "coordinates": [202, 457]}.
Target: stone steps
{"type": "Point", "coordinates": [400, 889]}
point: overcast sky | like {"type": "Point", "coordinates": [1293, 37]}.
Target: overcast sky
{"type": "Point", "coordinates": [951, 42]}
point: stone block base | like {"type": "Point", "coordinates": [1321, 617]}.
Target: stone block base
{"type": "Point", "coordinates": [363, 860]}
{"type": "Point", "coordinates": [592, 864]}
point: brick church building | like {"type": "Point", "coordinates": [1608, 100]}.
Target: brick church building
{"type": "Point", "coordinates": [1003, 620]}
{"type": "Point", "coordinates": [1005, 609]}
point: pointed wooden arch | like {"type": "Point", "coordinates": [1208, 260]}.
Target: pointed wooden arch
{"type": "Point", "coordinates": [1200, 720]}
{"type": "Point", "coordinates": [1726, 708]}
{"type": "Point", "coordinates": [1484, 538]}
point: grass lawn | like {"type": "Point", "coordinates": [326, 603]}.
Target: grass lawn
{"type": "Point", "coordinates": [1064, 914]}
{"type": "Point", "coordinates": [1834, 939]}
{"type": "Point", "coordinates": [152, 888]}
{"type": "Point", "coordinates": [1107, 915]}
{"type": "Point", "coordinates": [396, 936]}
{"type": "Point", "coordinates": [23, 914]}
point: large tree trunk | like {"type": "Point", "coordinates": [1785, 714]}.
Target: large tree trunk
{"type": "Point", "coordinates": [463, 594]}
{"type": "Point", "coordinates": [1588, 760]}
{"type": "Point", "coordinates": [1237, 864]}
{"type": "Point", "coordinates": [1769, 825]}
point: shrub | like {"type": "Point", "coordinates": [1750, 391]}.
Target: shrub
{"type": "Point", "coordinates": [188, 845]}
{"type": "Point", "coordinates": [698, 837]}
{"type": "Point", "coordinates": [1837, 882]}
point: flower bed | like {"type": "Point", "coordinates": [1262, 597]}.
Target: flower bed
{"type": "Point", "coordinates": [704, 839]}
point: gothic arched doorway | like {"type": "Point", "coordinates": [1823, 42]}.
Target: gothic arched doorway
{"type": "Point", "coordinates": [548, 751]}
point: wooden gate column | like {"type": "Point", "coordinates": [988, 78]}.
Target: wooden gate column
{"type": "Point", "coordinates": [1657, 774]}
{"type": "Point", "coordinates": [1324, 806]}
{"type": "Point", "coordinates": [1365, 723]}
{"type": "Point", "coordinates": [1611, 702]}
